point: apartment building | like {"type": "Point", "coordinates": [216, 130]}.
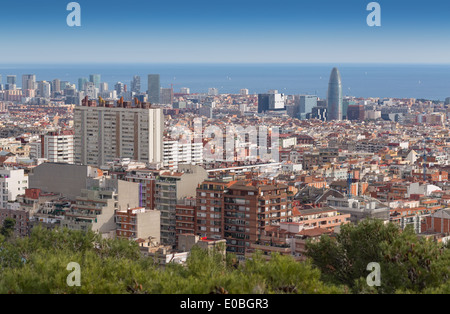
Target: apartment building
{"type": "Point", "coordinates": [138, 223]}
{"type": "Point", "coordinates": [185, 217]}
{"type": "Point", "coordinates": [58, 147]}
{"type": "Point", "coordinates": [210, 209]}
{"type": "Point", "coordinates": [95, 208]}
{"type": "Point", "coordinates": [105, 133]}
{"type": "Point", "coordinates": [250, 206]}
{"type": "Point", "coordinates": [13, 182]}
{"type": "Point", "coordinates": [170, 190]}
{"type": "Point", "coordinates": [176, 153]}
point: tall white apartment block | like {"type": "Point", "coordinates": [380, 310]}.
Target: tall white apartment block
{"type": "Point", "coordinates": [12, 183]}
{"type": "Point", "coordinates": [176, 153]}
{"type": "Point", "coordinates": [58, 147]}
{"type": "Point", "coordinates": [106, 132]}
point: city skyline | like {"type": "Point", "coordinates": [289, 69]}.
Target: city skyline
{"type": "Point", "coordinates": [247, 32]}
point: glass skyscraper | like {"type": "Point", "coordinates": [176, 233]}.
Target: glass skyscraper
{"type": "Point", "coordinates": [306, 105]}
{"type": "Point", "coordinates": [153, 88]}
{"type": "Point", "coordinates": [95, 78]}
{"type": "Point", "coordinates": [334, 109]}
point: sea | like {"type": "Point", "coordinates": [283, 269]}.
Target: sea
{"type": "Point", "coordinates": [420, 81]}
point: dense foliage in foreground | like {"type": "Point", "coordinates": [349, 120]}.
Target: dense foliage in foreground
{"type": "Point", "coordinates": [38, 264]}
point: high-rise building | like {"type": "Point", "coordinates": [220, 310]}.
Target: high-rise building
{"type": "Point", "coordinates": [306, 103]}
{"type": "Point", "coordinates": [272, 101]}
{"type": "Point", "coordinates": [28, 81]}
{"type": "Point", "coordinates": [166, 96]}
{"type": "Point", "coordinates": [11, 79]}
{"type": "Point", "coordinates": [95, 78]}
{"type": "Point", "coordinates": [154, 87]}
{"type": "Point", "coordinates": [81, 82]}
{"type": "Point", "coordinates": [105, 133]}
{"type": "Point", "coordinates": [173, 188]}
{"type": "Point", "coordinates": [56, 85]}
{"type": "Point", "coordinates": [10, 82]}
{"type": "Point", "coordinates": [57, 147]}
{"type": "Point", "coordinates": [136, 84]}
{"type": "Point", "coordinates": [90, 90]}
{"type": "Point", "coordinates": [44, 89]}
{"type": "Point", "coordinates": [119, 88]}
{"type": "Point", "coordinates": [103, 87]}
{"type": "Point", "coordinates": [249, 208]}
{"type": "Point", "coordinates": [334, 111]}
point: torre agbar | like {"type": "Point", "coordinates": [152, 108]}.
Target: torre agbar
{"type": "Point", "coordinates": [334, 111]}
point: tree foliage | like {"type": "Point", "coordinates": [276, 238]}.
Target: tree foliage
{"type": "Point", "coordinates": [408, 263]}
{"type": "Point", "coordinates": [7, 229]}
{"type": "Point", "coordinates": [37, 264]}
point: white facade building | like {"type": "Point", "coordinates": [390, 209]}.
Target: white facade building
{"type": "Point", "coordinates": [12, 183]}
{"type": "Point", "coordinates": [182, 153]}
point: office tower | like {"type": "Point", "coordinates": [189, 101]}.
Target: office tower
{"type": "Point", "coordinates": [153, 88]}
{"type": "Point", "coordinates": [11, 79]}
{"type": "Point", "coordinates": [136, 84]}
{"type": "Point", "coordinates": [334, 111]}
{"type": "Point", "coordinates": [306, 103]}
{"type": "Point", "coordinates": [319, 112]}
{"type": "Point", "coordinates": [355, 112]}
{"type": "Point", "coordinates": [28, 81]}
{"type": "Point", "coordinates": [95, 78]}
{"type": "Point", "coordinates": [105, 133]}
{"type": "Point", "coordinates": [243, 91]}
{"type": "Point", "coordinates": [81, 82]}
{"type": "Point", "coordinates": [263, 103]}
{"type": "Point", "coordinates": [213, 91]}
{"type": "Point", "coordinates": [56, 86]}
{"type": "Point", "coordinates": [64, 84]}
{"type": "Point", "coordinates": [166, 96]}
{"type": "Point", "coordinates": [103, 87]}
{"type": "Point", "coordinates": [57, 147]}
{"type": "Point", "coordinates": [90, 90]}
{"type": "Point", "coordinates": [119, 87]}
{"type": "Point", "coordinates": [185, 90]}
{"type": "Point", "coordinates": [10, 82]}
{"type": "Point", "coordinates": [345, 103]}
{"type": "Point", "coordinates": [44, 89]}
{"type": "Point", "coordinates": [272, 101]}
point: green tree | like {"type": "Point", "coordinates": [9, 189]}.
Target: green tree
{"type": "Point", "coordinates": [407, 263]}
{"type": "Point", "coordinates": [8, 227]}
{"type": "Point", "coordinates": [37, 264]}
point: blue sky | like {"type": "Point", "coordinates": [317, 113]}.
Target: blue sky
{"type": "Point", "coordinates": [197, 31]}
